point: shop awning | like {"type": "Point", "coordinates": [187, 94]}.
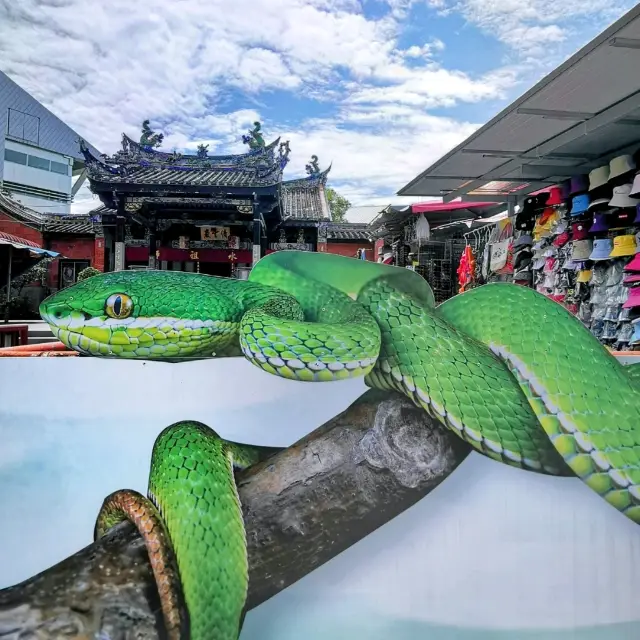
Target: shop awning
{"type": "Point", "coordinates": [392, 219]}
{"type": "Point", "coordinates": [21, 243]}
{"type": "Point", "coordinates": [577, 118]}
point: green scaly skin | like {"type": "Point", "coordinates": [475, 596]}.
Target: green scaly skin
{"type": "Point", "coordinates": [505, 368]}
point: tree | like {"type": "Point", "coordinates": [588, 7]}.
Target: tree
{"type": "Point", "coordinates": [338, 204]}
{"type": "Point", "coordinates": [88, 272]}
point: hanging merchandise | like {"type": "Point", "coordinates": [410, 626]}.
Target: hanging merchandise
{"type": "Point", "coordinates": [466, 269]}
{"type": "Point", "coordinates": [423, 230]}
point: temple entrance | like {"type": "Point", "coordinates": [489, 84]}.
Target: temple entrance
{"type": "Point", "coordinates": [216, 269]}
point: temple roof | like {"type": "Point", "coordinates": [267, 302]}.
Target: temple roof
{"type": "Point", "coordinates": [305, 198]}
{"type": "Point", "coordinates": [47, 222]}
{"type": "Point", "coordinates": [348, 231]}
{"type": "Point", "coordinates": [140, 163]}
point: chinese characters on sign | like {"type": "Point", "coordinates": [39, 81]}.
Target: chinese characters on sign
{"type": "Point", "coordinates": [214, 233]}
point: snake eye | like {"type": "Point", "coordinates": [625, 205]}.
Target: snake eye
{"type": "Point", "coordinates": [118, 306]}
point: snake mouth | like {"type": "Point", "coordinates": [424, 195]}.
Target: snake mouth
{"type": "Point", "coordinates": [139, 337]}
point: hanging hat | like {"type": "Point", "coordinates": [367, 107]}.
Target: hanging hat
{"type": "Point", "coordinates": [598, 177]}
{"type": "Point", "coordinates": [636, 220]}
{"type": "Point", "coordinates": [623, 246]}
{"type": "Point", "coordinates": [601, 249]}
{"type": "Point", "coordinates": [523, 241]}
{"type": "Point", "coordinates": [579, 204]}
{"type": "Point", "coordinates": [523, 275]}
{"type": "Point", "coordinates": [579, 184]}
{"type": "Point", "coordinates": [621, 197]}
{"type": "Point", "coordinates": [599, 203]}
{"type": "Point", "coordinates": [522, 260]}
{"type": "Point", "coordinates": [632, 278]}
{"type": "Point", "coordinates": [635, 187]}
{"type": "Point", "coordinates": [580, 230]}
{"type": "Point", "coordinates": [555, 197]}
{"type": "Point", "coordinates": [561, 239]}
{"type": "Point", "coordinates": [621, 165]}
{"type": "Point", "coordinates": [599, 223]}
{"type": "Point", "coordinates": [634, 265]}
{"type": "Point", "coordinates": [585, 274]}
{"type": "Point", "coordinates": [633, 300]}
{"type": "Point", "coordinates": [581, 250]}
{"type": "Point", "coordinates": [538, 264]}
{"type": "Point", "coordinates": [622, 218]}
{"type": "Point", "coordinates": [565, 189]}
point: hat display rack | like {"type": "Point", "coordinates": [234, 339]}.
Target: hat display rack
{"type": "Point", "coordinates": [579, 244]}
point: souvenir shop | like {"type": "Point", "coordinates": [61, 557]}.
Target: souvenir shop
{"type": "Point", "coordinates": [578, 243]}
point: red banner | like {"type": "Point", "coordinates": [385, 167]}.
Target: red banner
{"type": "Point", "coordinates": [141, 254]}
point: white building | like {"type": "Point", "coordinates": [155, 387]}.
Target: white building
{"type": "Point", "coordinates": [40, 160]}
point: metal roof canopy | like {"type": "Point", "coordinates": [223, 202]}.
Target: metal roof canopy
{"type": "Point", "coordinates": [577, 118]}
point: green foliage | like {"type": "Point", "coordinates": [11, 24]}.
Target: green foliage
{"type": "Point", "coordinates": [19, 307]}
{"type": "Point", "coordinates": [338, 204]}
{"type": "Point", "coordinates": [88, 272]}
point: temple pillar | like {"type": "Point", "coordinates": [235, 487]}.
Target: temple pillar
{"type": "Point", "coordinates": [257, 233]}
{"type": "Point", "coordinates": [119, 247]}
{"type": "Point", "coordinates": [152, 243]}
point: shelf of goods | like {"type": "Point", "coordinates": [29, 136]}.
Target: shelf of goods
{"type": "Point", "coordinates": [577, 243]}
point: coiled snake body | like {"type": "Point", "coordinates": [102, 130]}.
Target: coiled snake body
{"type": "Point", "coordinates": [508, 370]}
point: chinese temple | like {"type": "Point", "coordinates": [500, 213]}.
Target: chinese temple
{"type": "Point", "coordinates": [198, 212]}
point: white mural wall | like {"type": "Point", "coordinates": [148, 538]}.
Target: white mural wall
{"type": "Point", "coordinates": [493, 552]}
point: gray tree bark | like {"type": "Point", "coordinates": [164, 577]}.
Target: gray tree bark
{"type": "Point", "coordinates": [302, 507]}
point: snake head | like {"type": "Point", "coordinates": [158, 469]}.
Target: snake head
{"type": "Point", "coordinates": [150, 314]}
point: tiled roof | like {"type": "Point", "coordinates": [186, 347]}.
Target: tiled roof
{"type": "Point", "coordinates": [138, 164]}
{"type": "Point", "coordinates": [305, 198]}
{"type": "Point", "coordinates": [49, 223]}
{"type": "Point", "coordinates": [348, 231]}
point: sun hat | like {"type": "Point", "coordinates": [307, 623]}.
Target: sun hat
{"type": "Point", "coordinates": [523, 241]}
{"type": "Point", "coordinates": [598, 177]}
{"type": "Point", "coordinates": [633, 300]}
{"type": "Point", "coordinates": [522, 261]}
{"type": "Point", "coordinates": [635, 338]}
{"type": "Point", "coordinates": [635, 277]}
{"type": "Point", "coordinates": [580, 230]}
{"type": "Point", "coordinates": [561, 239]}
{"type": "Point", "coordinates": [601, 249]}
{"type": "Point", "coordinates": [555, 196]}
{"type": "Point", "coordinates": [600, 202]}
{"type": "Point", "coordinates": [620, 165]}
{"type": "Point", "coordinates": [635, 187]}
{"type": "Point", "coordinates": [634, 265]}
{"type": "Point", "coordinates": [623, 246]}
{"type": "Point", "coordinates": [579, 184]}
{"type": "Point", "coordinates": [538, 264]}
{"type": "Point", "coordinates": [581, 250]}
{"type": "Point", "coordinates": [579, 204]}
{"type": "Point", "coordinates": [584, 275]}
{"type": "Point", "coordinates": [523, 275]}
{"type": "Point", "coordinates": [621, 218]}
{"type": "Point", "coordinates": [599, 223]}
{"type": "Point", "coordinates": [621, 197]}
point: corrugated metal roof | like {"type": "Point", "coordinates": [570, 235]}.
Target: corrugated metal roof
{"type": "Point", "coordinates": [578, 117]}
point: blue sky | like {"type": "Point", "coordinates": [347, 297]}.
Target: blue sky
{"type": "Point", "coordinates": [381, 88]}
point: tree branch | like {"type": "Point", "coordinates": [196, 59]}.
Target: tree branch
{"type": "Point", "coordinates": [302, 507]}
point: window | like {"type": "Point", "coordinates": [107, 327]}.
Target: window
{"type": "Point", "coordinates": [38, 163]}
{"type": "Point", "coordinates": [15, 156]}
{"type": "Point", "coordinates": [58, 167]}
{"type": "Point", "coordinates": [69, 270]}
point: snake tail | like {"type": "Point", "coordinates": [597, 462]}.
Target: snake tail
{"type": "Point", "coordinates": [194, 498]}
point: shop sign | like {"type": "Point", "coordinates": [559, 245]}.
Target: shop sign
{"type": "Point", "coordinates": [215, 233]}
{"type": "Point", "coordinates": [194, 255]}
{"type": "Point", "coordinates": [183, 242]}
{"type": "Point", "coordinates": [291, 246]}
{"type": "Point", "coordinates": [119, 257]}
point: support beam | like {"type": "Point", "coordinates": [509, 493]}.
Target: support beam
{"type": "Point", "coordinates": [554, 114]}
{"type": "Point", "coordinates": [257, 232]}
{"type": "Point", "coordinates": [495, 153]}
{"type": "Point", "coordinates": [625, 43]}
{"type": "Point", "coordinates": [79, 182]}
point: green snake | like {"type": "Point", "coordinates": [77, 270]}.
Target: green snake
{"type": "Point", "coordinates": [508, 370]}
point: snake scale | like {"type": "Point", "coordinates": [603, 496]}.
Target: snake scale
{"type": "Point", "coordinates": [508, 370]}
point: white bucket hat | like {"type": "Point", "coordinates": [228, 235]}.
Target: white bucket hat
{"type": "Point", "coordinates": [621, 197]}
{"type": "Point", "coordinates": [635, 189]}
{"type": "Point", "coordinates": [621, 165]}
{"type": "Point", "coordinates": [599, 202]}
{"type": "Point", "coordinates": [598, 177]}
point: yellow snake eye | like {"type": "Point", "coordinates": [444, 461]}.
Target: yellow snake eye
{"type": "Point", "coordinates": [118, 306]}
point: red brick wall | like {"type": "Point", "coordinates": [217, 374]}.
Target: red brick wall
{"type": "Point", "coordinates": [72, 247]}
{"type": "Point", "coordinates": [98, 254]}
{"type": "Point", "coordinates": [9, 225]}
{"type": "Point", "coordinates": [350, 249]}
